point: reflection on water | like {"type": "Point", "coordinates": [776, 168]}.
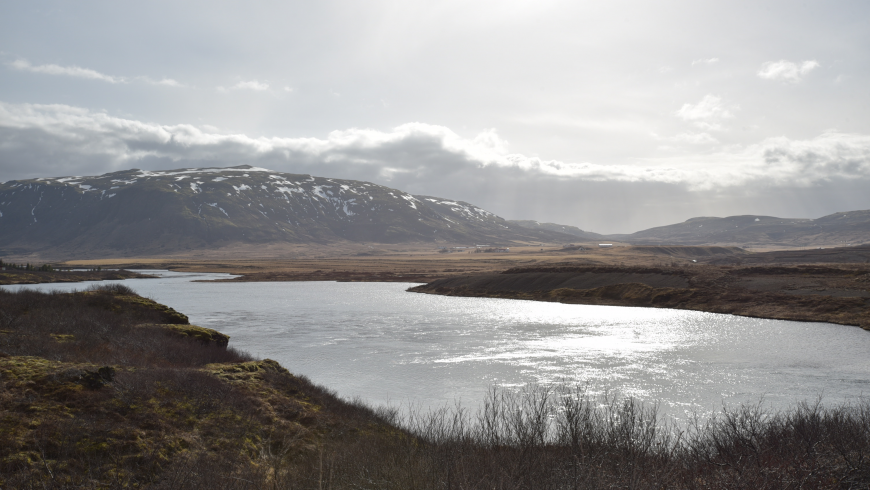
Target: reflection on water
{"type": "Point", "coordinates": [385, 345]}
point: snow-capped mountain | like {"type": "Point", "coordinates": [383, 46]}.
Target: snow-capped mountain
{"type": "Point", "coordinates": [141, 211]}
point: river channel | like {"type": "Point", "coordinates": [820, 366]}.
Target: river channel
{"type": "Point", "coordinates": [384, 345]}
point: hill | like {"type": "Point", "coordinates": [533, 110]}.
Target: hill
{"type": "Point", "coordinates": [140, 212]}
{"type": "Point", "coordinates": [748, 231]}
{"type": "Point", "coordinates": [851, 227]}
{"type": "Point", "coordinates": [567, 229]}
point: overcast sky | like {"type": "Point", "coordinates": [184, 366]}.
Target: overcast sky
{"type": "Point", "coordinates": [612, 116]}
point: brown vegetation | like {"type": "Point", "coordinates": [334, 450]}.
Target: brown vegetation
{"type": "Point", "coordinates": [409, 263]}
{"type": "Point", "coordinates": [16, 276]}
{"type": "Point", "coordinates": [804, 293]}
{"type": "Point", "coordinates": [105, 389]}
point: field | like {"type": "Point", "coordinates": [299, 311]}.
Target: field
{"type": "Point", "coordinates": [406, 263]}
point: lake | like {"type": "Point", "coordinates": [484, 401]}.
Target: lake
{"type": "Point", "coordinates": [388, 346]}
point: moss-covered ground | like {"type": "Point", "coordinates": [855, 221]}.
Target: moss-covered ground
{"type": "Point", "coordinates": [97, 392]}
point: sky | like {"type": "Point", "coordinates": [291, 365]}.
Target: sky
{"type": "Point", "coordinates": [611, 116]}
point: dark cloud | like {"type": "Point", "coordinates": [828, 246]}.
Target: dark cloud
{"type": "Point", "coordinates": [778, 176]}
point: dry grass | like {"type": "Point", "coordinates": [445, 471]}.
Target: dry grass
{"type": "Point", "coordinates": [825, 293]}
{"type": "Point", "coordinates": [407, 264]}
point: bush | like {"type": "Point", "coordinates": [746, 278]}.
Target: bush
{"type": "Point", "coordinates": [115, 288]}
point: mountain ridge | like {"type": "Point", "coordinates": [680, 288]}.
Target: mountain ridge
{"type": "Point", "coordinates": [145, 213]}
{"type": "Point", "coordinates": [142, 212]}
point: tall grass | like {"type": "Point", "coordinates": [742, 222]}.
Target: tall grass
{"type": "Point", "coordinates": [561, 438]}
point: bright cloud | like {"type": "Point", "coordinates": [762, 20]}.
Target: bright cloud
{"type": "Point", "coordinates": [706, 114]}
{"type": "Point", "coordinates": [70, 71]}
{"type": "Point", "coordinates": [787, 71]}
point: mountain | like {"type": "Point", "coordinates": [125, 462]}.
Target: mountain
{"type": "Point", "coordinates": [141, 212]}
{"type": "Point", "coordinates": [568, 229]}
{"type": "Point", "coordinates": [851, 227]}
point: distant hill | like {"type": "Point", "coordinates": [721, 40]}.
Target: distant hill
{"type": "Point", "coordinates": [838, 229]}
{"type": "Point", "coordinates": [140, 212]}
{"type": "Point", "coordinates": [849, 228]}
{"type": "Point", "coordinates": [819, 255]}
{"type": "Point", "coordinates": [570, 230]}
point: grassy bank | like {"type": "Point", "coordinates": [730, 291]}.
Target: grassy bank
{"type": "Point", "coordinates": [21, 276]}
{"type": "Point", "coordinates": [105, 389]}
{"type": "Point", "coordinates": [818, 293]}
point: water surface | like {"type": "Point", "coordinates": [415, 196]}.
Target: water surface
{"type": "Point", "coordinates": [385, 345]}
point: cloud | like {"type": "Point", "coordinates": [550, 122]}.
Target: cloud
{"type": "Point", "coordinates": [705, 61]}
{"type": "Point", "coordinates": [42, 140]}
{"type": "Point", "coordinates": [707, 113]}
{"type": "Point", "coordinates": [78, 72]}
{"type": "Point", "coordinates": [168, 82]}
{"type": "Point", "coordinates": [254, 85]}
{"type": "Point", "coordinates": [786, 71]}
{"type": "Point", "coordinates": [70, 71]}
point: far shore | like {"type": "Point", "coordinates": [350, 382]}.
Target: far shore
{"type": "Point", "coordinates": [17, 276]}
{"type": "Point", "coordinates": [799, 293]}
{"type": "Point", "coordinates": [819, 285]}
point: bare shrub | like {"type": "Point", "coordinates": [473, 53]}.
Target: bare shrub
{"type": "Point", "coordinates": [115, 288]}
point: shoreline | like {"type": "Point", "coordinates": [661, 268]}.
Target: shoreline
{"type": "Point", "coordinates": [808, 294]}
{"type": "Point", "coordinates": [10, 277]}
